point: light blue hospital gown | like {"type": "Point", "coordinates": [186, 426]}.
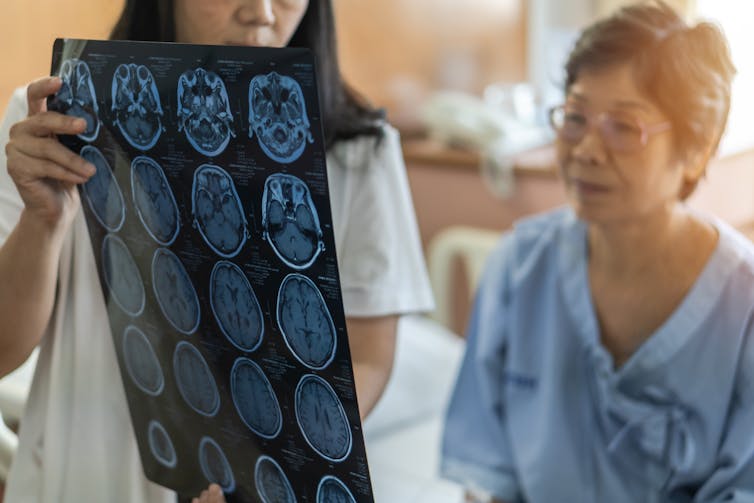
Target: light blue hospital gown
{"type": "Point", "coordinates": [540, 415]}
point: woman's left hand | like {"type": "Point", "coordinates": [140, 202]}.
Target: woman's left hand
{"type": "Point", "coordinates": [213, 494]}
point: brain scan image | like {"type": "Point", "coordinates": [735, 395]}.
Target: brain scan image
{"type": "Point", "coordinates": [277, 115]}
{"type": "Point", "coordinates": [161, 446]}
{"type": "Point", "coordinates": [290, 222]}
{"type": "Point", "coordinates": [215, 466]}
{"type": "Point", "coordinates": [102, 192]}
{"type": "Point", "coordinates": [141, 362]}
{"type": "Point", "coordinates": [122, 276]}
{"type": "Point", "coordinates": [322, 419]}
{"type": "Point", "coordinates": [217, 211]}
{"type": "Point", "coordinates": [77, 96]}
{"type": "Point", "coordinates": [235, 306]}
{"type": "Point", "coordinates": [305, 322]}
{"type": "Point", "coordinates": [154, 200]}
{"type": "Point", "coordinates": [174, 291]}
{"type": "Point", "coordinates": [255, 399]}
{"type": "Point", "coordinates": [195, 381]}
{"type": "Point", "coordinates": [332, 490]}
{"type": "Point", "coordinates": [136, 105]}
{"type": "Point", "coordinates": [204, 111]}
{"type": "Point", "coordinates": [272, 484]}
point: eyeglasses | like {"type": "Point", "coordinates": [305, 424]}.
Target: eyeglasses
{"type": "Point", "coordinates": [621, 132]}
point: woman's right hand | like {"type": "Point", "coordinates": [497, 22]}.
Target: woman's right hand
{"type": "Point", "coordinates": [43, 169]}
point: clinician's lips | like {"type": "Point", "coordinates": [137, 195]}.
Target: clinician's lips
{"type": "Point", "coordinates": [252, 42]}
{"type": "Point", "coordinates": [257, 39]}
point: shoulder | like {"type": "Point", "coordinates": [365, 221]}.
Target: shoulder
{"type": "Point", "coordinates": [540, 238]}
{"type": "Point", "coordinates": [17, 106]}
{"type": "Point", "coordinates": [18, 100]}
{"type": "Point", "coordinates": [532, 246]}
{"type": "Point", "coordinates": [544, 227]}
{"type": "Point", "coordinates": [737, 250]}
{"type": "Point", "coordinates": [368, 151]}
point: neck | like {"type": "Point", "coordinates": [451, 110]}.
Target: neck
{"type": "Point", "coordinates": [642, 245]}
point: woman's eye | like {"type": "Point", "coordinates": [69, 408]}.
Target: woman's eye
{"type": "Point", "coordinates": [575, 119]}
{"type": "Point", "coordinates": [625, 127]}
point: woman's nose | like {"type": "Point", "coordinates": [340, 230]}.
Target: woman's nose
{"type": "Point", "coordinates": [258, 12]}
{"type": "Point", "coordinates": [591, 148]}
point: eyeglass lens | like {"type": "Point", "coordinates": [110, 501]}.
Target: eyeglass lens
{"type": "Point", "coordinates": [619, 132]}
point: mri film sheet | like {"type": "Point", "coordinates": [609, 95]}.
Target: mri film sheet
{"type": "Point", "coordinates": [210, 225]}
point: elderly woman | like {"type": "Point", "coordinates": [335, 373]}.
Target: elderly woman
{"type": "Point", "coordinates": [610, 354]}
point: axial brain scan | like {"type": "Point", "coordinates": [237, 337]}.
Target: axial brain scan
{"type": "Point", "coordinates": [290, 222]}
{"type": "Point", "coordinates": [141, 362]}
{"type": "Point", "coordinates": [195, 381]}
{"type": "Point", "coordinates": [305, 321]}
{"type": "Point", "coordinates": [332, 490]}
{"type": "Point", "coordinates": [136, 105]}
{"type": "Point", "coordinates": [122, 276]}
{"type": "Point", "coordinates": [154, 200]}
{"type": "Point", "coordinates": [204, 111]}
{"type": "Point", "coordinates": [322, 420]}
{"type": "Point", "coordinates": [102, 192]}
{"type": "Point", "coordinates": [77, 96]}
{"type": "Point", "coordinates": [174, 291]}
{"type": "Point", "coordinates": [277, 115]}
{"type": "Point", "coordinates": [235, 306]}
{"type": "Point", "coordinates": [217, 211]}
{"type": "Point", "coordinates": [272, 484]}
{"type": "Point", "coordinates": [255, 399]}
{"type": "Point", "coordinates": [160, 444]}
{"type": "Point", "coordinates": [215, 465]}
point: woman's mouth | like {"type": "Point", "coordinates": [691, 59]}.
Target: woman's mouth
{"type": "Point", "coordinates": [586, 188]}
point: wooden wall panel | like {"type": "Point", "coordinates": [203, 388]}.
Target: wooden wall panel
{"type": "Point", "coordinates": [28, 28]}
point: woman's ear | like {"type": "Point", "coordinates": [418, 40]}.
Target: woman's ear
{"type": "Point", "coordinates": [694, 169]}
{"type": "Point", "coordinates": [698, 161]}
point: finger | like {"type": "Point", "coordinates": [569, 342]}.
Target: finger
{"type": "Point", "coordinates": [50, 149]}
{"type": "Point", "coordinates": [48, 123]}
{"type": "Point", "coordinates": [37, 169]}
{"type": "Point", "coordinates": [195, 500]}
{"type": "Point", "coordinates": [216, 494]}
{"type": "Point", "coordinates": [38, 91]}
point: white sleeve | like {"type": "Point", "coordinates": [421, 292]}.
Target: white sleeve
{"type": "Point", "coordinates": [382, 269]}
{"type": "Point", "coordinates": [10, 201]}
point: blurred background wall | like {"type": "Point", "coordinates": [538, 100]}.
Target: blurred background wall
{"type": "Point", "coordinates": [397, 52]}
{"type": "Point", "coordinates": [28, 28]}
{"type": "Point", "coordinates": [394, 51]}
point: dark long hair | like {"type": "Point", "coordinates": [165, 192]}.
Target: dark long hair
{"type": "Point", "coordinates": [345, 113]}
{"type": "Point", "coordinates": [685, 70]}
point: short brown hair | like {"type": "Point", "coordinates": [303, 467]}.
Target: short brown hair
{"type": "Point", "coordinates": [686, 71]}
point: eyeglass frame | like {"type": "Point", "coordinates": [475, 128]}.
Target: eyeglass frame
{"type": "Point", "coordinates": [646, 130]}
